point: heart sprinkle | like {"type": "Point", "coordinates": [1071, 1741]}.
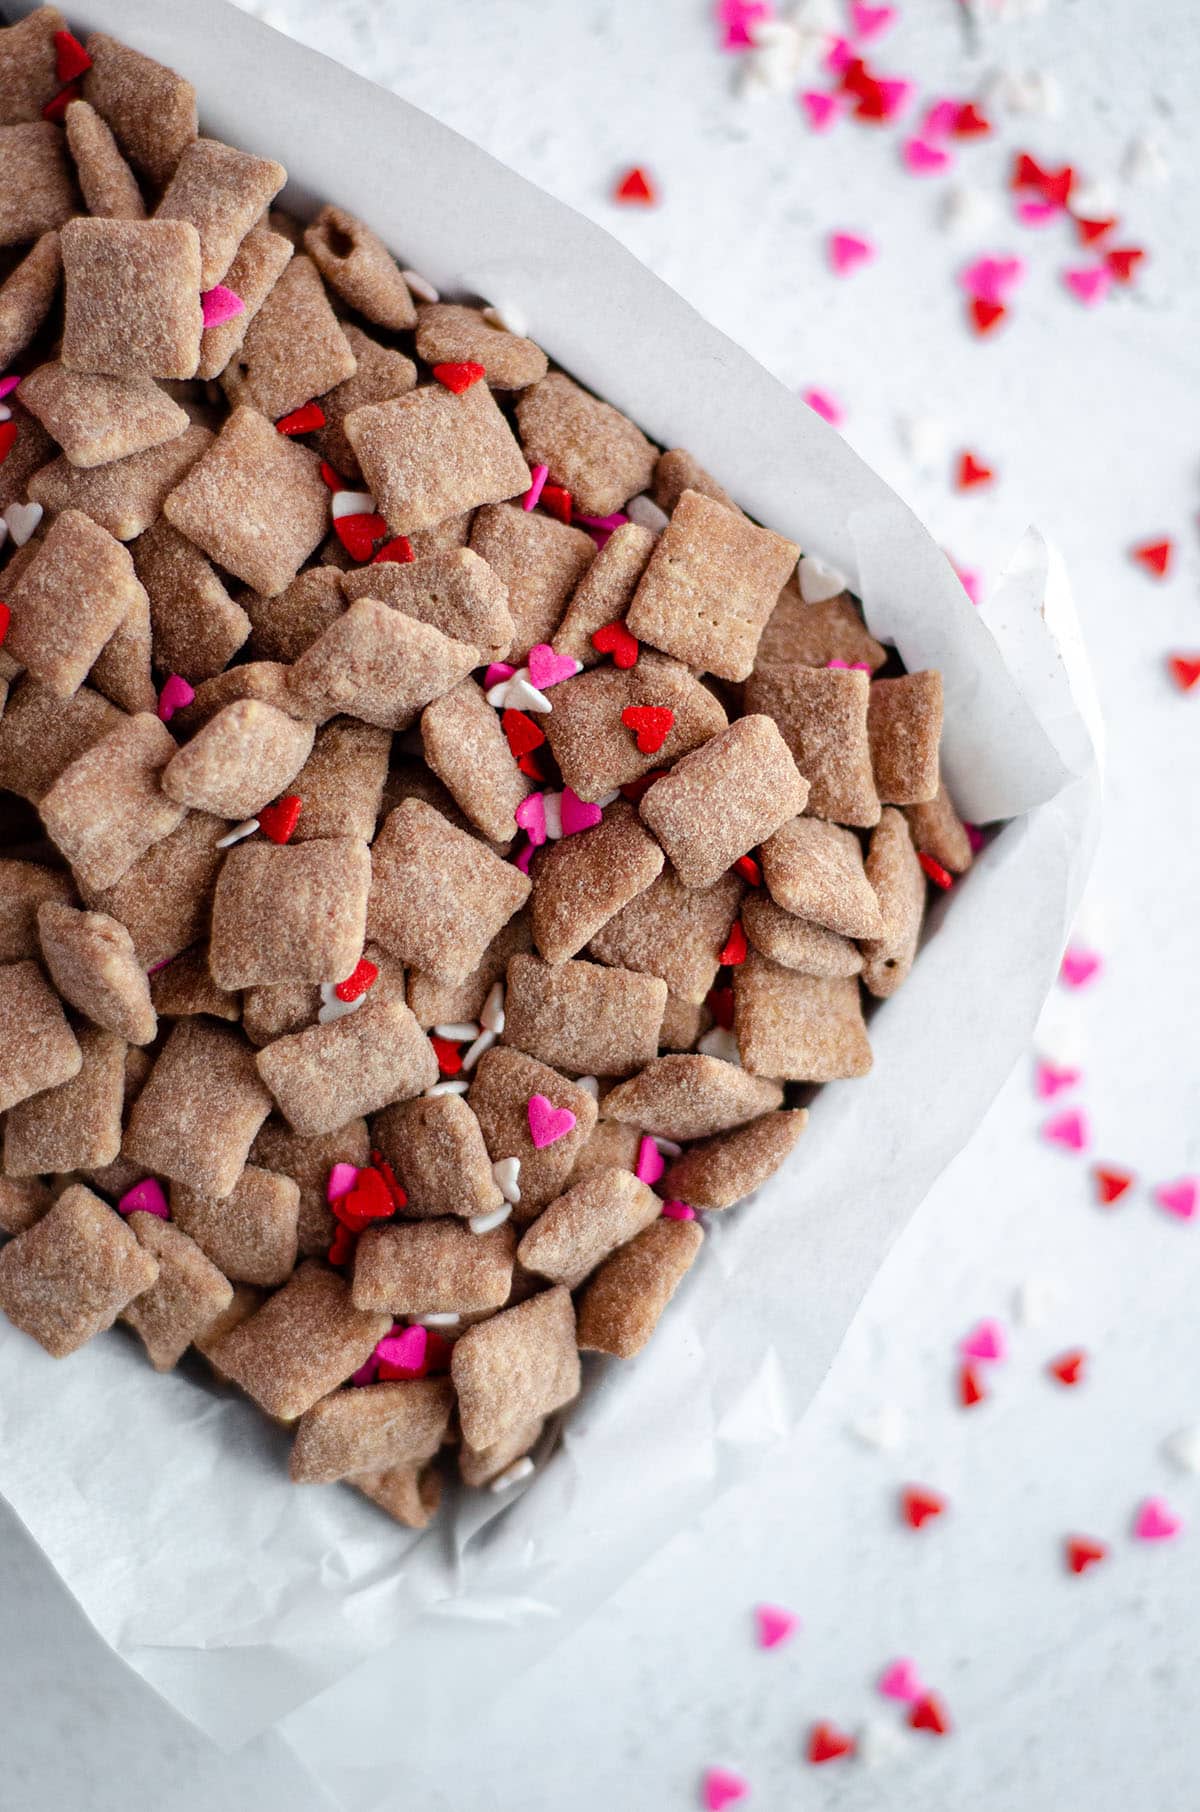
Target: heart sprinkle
{"type": "Point", "coordinates": [918, 1505]}
{"type": "Point", "coordinates": [218, 305]}
{"type": "Point", "coordinates": [720, 1788]}
{"type": "Point", "coordinates": [145, 1197]}
{"type": "Point", "coordinates": [23, 519]}
{"type": "Point", "coordinates": [1050, 1080]}
{"type": "Point", "coordinates": [71, 60]}
{"type": "Point", "coordinates": [1156, 1521]}
{"type": "Point", "coordinates": [650, 1162]}
{"type": "Point", "coordinates": [447, 1053]}
{"type": "Point", "coordinates": [577, 814]}
{"type": "Point", "coordinates": [403, 1352]}
{"type": "Point", "coordinates": [733, 951]}
{"type": "Point", "coordinates": [971, 472]}
{"type": "Point", "coordinates": [817, 580]}
{"type": "Point", "coordinates": [1184, 670]}
{"type": "Point", "coordinates": [930, 1714]}
{"type": "Point", "coordinates": [521, 733]}
{"type": "Point", "coordinates": [531, 816]}
{"type": "Point", "coordinates": [615, 639]}
{"type": "Point", "coordinates": [773, 1625]}
{"type": "Point", "coordinates": [175, 695]}
{"type": "Point", "coordinates": [1089, 284]}
{"type": "Point", "coordinates": [1154, 556]}
{"type": "Point", "coordinates": [396, 552]}
{"type": "Point", "coordinates": [924, 159]}
{"type": "Point", "coordinates": [279, 820]}
{"type": "Point", "coordinates": [678, 1211]}
{"type": "Point", "coordinates": [826, 1743]}
{"type": "Point", "coordinates": [364, 975]}
{"type": "Point", "coordinates": [1179, 1198]}
{"type": "Point", "coordinates": [749, 870]}
{"type": "Point", "coordinates": [1079, 967]}
{"type": "Point", "coordinates": [537, 479]}
{"type": "Point", "coordinates": [459, 375]}
{"type": "Point", "coordinates": [636, 187]}
{"type": "Point", "coordinates": [822, 109]}
{"type": "Point", "coordinates": [824, 405]}
{"type": "Point", "coordinates": [547, 1123]}
{"type": "Point", "coordinates": [549, 669]}
{"type": "Point", "coordinates": [990, 279]}
{"type": "Point", "coordinates": [1068, 1367]}
{"type": "Point", "coordinates": [5, 620]}
{"type": "Point", "coordinates": [651, 724]}
{"type": "Point", "coordinates": [970, 1387]}
{"type": "Point", "coordinates": [985, 1341]}
{"type": "Point", "coordinates": [8, 435]}
{"type": "Point", "coordinates": [342, 1178]}
{"type": "Point", "coordinates": [1111, 1185]}
{"type": "Point", "coordinates": [557, 499]}
{"type": "Point", "coordinates": [847, 251]}
{"type": "Point", "coordinates": [900, 1680]}
{"type": "Point", "coordinates": [985, 315]}
{"type": "Point", "coordinates": [1070, 1130]}
{"type": "Point", "coordinates": [359, 532]}
{"type": "Point", "coordinates": [305, 420]}
{"type": "Point", "coordinates": [1083, 1551]}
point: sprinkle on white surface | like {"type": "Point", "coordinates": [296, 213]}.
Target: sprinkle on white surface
{"type": "Point", "coordinates": [513, 1475]}
{"type": "Point", "coordinates": [885, 1429]}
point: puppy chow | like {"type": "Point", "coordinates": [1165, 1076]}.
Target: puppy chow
{"type": "Point", "coordinates": [107, 184]}
{"type": "Point", "coordinates": [603, 593]}
{"type": "Point", "coordinates": [132, 297]}
{"type": "Point", "coordinates": [539, 560]}
{"type": "Point", "coordinates": [520, 1365]}
{"type": "Point", "coordinates": [196, 1116]}
{"type": "Point", "coordinates": [457, 591]}
{"type": "Point", "coordinates": [578, 1230]}
{"type": "Point", "coordinates": [815, 870]}
{"type": "Point", "coordinates": [438, 895]}
{"type": "Point", "coordinates": [585, 1018]}
{"type": "Point", "coordinates": [904, 723]}
{"type": "Point", "coordinates": [239, 761]}
{"type": "Point", "coordinates": [96, 419]}
{"type": "Point", "coordinates": [592, 744]}
{"type": "Point", "coordinates": [723, 799]}
{"type": "Point", "coordinates": [92, 962]}
{"type": "Point", "coordinates": [291, 912]}
{"type": "Point", "coordinates": [822, 716]}
{"type": "Point", "coordinates": [433, 1267]}
{"type": "Point", "coordinates": [690, 1096]}
{"type": "Point", "coordinates": [622, 1305]}
{"type": "Point", "coordinates": [70, 599]}
{"type": "Point", "coordinates": [76, 1125]}
{"type": "Point", "coordinates": [305, 1340]}
{"type": "Point", "coordinates": [185, 1298]}
{"type": "Point", "coordinates": [804, 1028]}
{"type": "Point", "coordinates": [899, 882]}
{"type": "Point", "coordinates": [504, 1083]}
{"type": "Point", "coordinates": [673, 931]}
{"type": "Point", "coordinates": [374, 1429]}
{"type": "Point", "coordinates": [24, 888]}
{"type": "Point", "coordinates": [69, 1275]}
{"type": "Point", "coordinates": [293, 350]}
{"type": "Point", "coordinates": [436, 1150]}
{"type": "Point", "coordinates": [591, 448]}
{"type": "Point", "coordinates": [431, 454]}
{"type": "Point", "coordinates": [322, 1077]}
{"type": "Point", "coordinates": [716, 1173]}
{"type": "Point", "coordinates": [251, 1234]}
{"type": "Point", "coordinates": [127, 495]}
{"type": "Point", "coordinates": [27, 295]}
{"type": "Point", "coordinates": [355, 262]}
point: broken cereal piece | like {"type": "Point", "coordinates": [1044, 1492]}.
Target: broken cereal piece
{"type": "Point", "coordinates": [69, 1275]}
{"type": "Point", "coordinates": [94, 966]}
{"type": "Point", "coordinates": [518, 1366]}
{"type": "Point", "coordinates": [355, 262]}
{"type": "Point", "coordinates": [581, 882]}
{"type": "Point", "coordinates": [719, 1172]}
{"type": "Point", "coordinates": [305, 1340]}
{"type": "Point", "coordinates": [822, 715]}
{"type": "Point", "coordinates": [938, 831]}
{"type": "Point", "coordinates": [108, 807]}
{"type": "Point", "coordinates": [723, 799]}
{"type": "Point", "coordinates": [539, 561]}
{"type": "Point", "coordinates": [436, 1149]}
{"type": "Point", "coordinates": [456, 591]}
{"type": "Point", "coordinates": [197, 1114]}
{"type": "Point", "coordinates": [501, 1089]}
{"type": "Point", "coordinates": [27, 296]}
{"type": "Point", "coordinates": [329, 1074]}
{"type": "Point", "coordinates": [185, 1298]}
{"type": "Point", "coordinates": [815, 870]}
{"type": "Point", "coordinates": [804, 1028]}
{"type": "Point", "coordinates": [377, 664]}
{"type": "Point", "coordinates": [290, 912]}
{"type": "Point", "coordinates": [75, 1125]}
{"type": "Point", "coordinates": [70, 600]}
{"type": "Point", "coordinates": [373, 1429]}
{"type": "Point", "coordinates": [431, 454]}
{"type": "Point", "coordinates": [593, 746]}
{"type": "Point", "coordinates": [433, 1267]}
{"type": "Point", "coordinates": [904, 723]}
{"type": "Point", "coordinates": [691, 1097]}
{"type": "Point", "coordinates": [579, 1229]}
{"type": "Point", "coordinates": [132, 297]}
{"type": "Point", "coordinates": [894, 872]}
{"type": "Point", "coordinates": [294, 348]}
{"type": "Point", "coordinates": [438, 895]}
{"type": "Point", "coordinates": [794, 942]}
{"type": "Point", "coordinates": [583, 1017]}
{"type": "Point", "coordinates": [250, 1235]}
{"type": "Point", "coordinates": [603, 593]}
{"type": "Point", "coordinates": [621, 1306]}
{"type": "Point", "coordinates": [151, 110]}
{"type": "Point", "coordinates": [108, 185]}
{"type": "Point", "coordinates": [242, 758]}
{"type": "Point", "coordinates": [593, 450]}
{"type": "Point", "coordinates": [673, 931]}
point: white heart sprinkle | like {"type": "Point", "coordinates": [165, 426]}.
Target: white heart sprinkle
{"type": "Point", "coordinates": [246, 828]}
{"type": "Point", "coordinates": [645, 512]}
{"type": "Point", "coordinates": [818, 580]}
{"type": "Point", "coordinates": [967, 210]}
{"type": "Point", "coordinates": [476, 1049]}
{"type": "Point", "coordinates": [505, 1172]}
{"type": "Point", "coordinates": [590, 1086]}
{"type": "Point", "coordinates": [421, 287]}
{"type": "Point", "coordinates": [720, 1042]}
{"type": "Point", "coordinates": [352, 503]}
{"type": "Point", "coordinates": [513, 1475]}
{"type": "Point", "coordinates": [924, 438]}
{"type": "Point", "coordinates": [22, 520]}
{"type": "Point", "coordinates": [552, 810]}
{"type": "Point", "coordinates": [458, 1033]}
{"type": "Point", "coordinates": [442, 1320]}
{"type": "Point", "coordinates": [446, 1088]}
{"type": "Point", "coordinates": [492, 1015]}
{"type": "Point", "coordinates": [333, 1008]}
{"type": "Point", "coordinates": [485, 1223]}
{"type": "Point", "coordinates": [1035, 1300]}
{"type": "Point", "coordinates": [885, 1429]}
{"type": "Point", "coordinates": [1183, 1449]}
{"type": "Point", "coordinates": [521, 696]}
{"type": "Point", "coordinates": [507, 318]}
{"type": "Point", "coordinates": [879, 1742]}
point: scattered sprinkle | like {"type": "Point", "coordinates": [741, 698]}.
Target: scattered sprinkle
{"type": "Point", "coordinates": [1180, 1198]}
{"type": "Point", "coordinates": [403, 1351]}
{"type": "Point", "coordinates": [636, 187]}
{"type": "Point", "coordinates": [246, 828]}
{"type": "Point", "coordinates": [970, 1386]}
{"type": "Point", "coordinates": [1070, 1130]}
{"type": "Point", "coordinates": [941, 877]}
{"type": "Point", "coordinates": [549, 669]}
{"type": "Point", "coordinates": [900, 1680]}
{"type": "Point", "coordinates": [985, 1341]}
{"type": "Point", "coordinates": [1089, 283]}
{"type": "Point", "coordinates": [885, 1429]}
{"type": "Point", "coordinates": [1111, 1185]}
{"type": "Point", "coordinates": [773, 1625]}
{"type": "Point", "coordinates": [971, 471]}
{"type": "Point", "coordinates": [516, 1474]}
{"type": "Point", "coordinates": [558, 501]}
{"type": "Point", "coordinates": [1079, 966]}
{"type": "Point", "coordinates": [818, 581]}
{"type": "Point", "coordinates": [1154, 556]}
{"type": "Point", "coordinates": [487, 1223]}
{"type": "Point", "coordinates": [615, 639]}
{"type": "Point", "coordinates": [1155, 1520]}
{"type": "Point", "coordinates": [1068, 1368]}
{"type": "Point", "coordinates": [342, 1178]}
{"type": "Point", "coordinates": [930, 1714]}
{"type": "Point", "coordinates": [826, 1743]}
{"type": "Point", "coordinates": [1183, 1449]}
{"type": "Point", "coordinates": [650, 1163]}
{"type": "Point", "coordinates": [678, 1211]}
{"type": "Point", "coordinates": [23, 519]}
{"type": "Point", "coordinates": [824, 405]}
{"type": "Point", "coordinates": [1184, 670]}
{"type": "Point", "coordinates": [578, 814]}
{"type": "Point", "coordinates": [396, 552]}
{"type": "Point", "coordinates": [175, 695]}
{"type": "Point", "coordinates": [847, 252]}
{"type": "Point", "coordinates": [749, 870]}
{"type": "Point", "coordinates": [924, 159]}
{"type": "Point", "coordinates": [71, 60]}
{"type": "Point", "coordinates": [984, 316]}
{"type": "Point", "coordinates": [821, 108]}
{"type": "Point", "coordinates": [363, 976]}
{"type": "Point", "coordinates": [919, 1504]}
{"type": "Point", "coordinates": [359, 532]}
{"type": "Point", "coordinates": [1051, 1079]}
{"type": "Point", "coordinates": [1084, 1551]}
{"type": "Point", "coordinates": [506, 1174]}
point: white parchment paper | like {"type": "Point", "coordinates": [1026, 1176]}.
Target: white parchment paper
{"type": "Point", "coordinates": [164, 1504]}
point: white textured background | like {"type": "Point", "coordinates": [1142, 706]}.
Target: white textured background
{"type": "Point", "coordinates": [1066, 1693]}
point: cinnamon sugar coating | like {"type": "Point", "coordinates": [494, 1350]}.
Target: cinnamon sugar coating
{"type": "Point", "coordinates": [257, 265]}
{"type": "Point", "coordinates": [195, 624]}
{"type": "Point", "coordinates": [456, 591]}
{"type": "Point", "coordinates": [70, 599]}
{"type": "Point", "coordinates": [242, 758]}
{"type": "Point", "coordinates": [803, 1028]}
{"type": "Point", "coordinates": [222, 191]}
{"type": "Point", "coordinates": [448, 333]}
{"type": "Point", "coordinates": [716, 1173]}
{"type": "Point", "coordinates": [520, 1365]}
{"type": "Point", "coordinates": [329, 1074]}
{"type": "Point", "coordinates": [897, 877]}
{"type": "Point", "coordinates": [108, 185]}
{"type": "Point", "coordinates": [93, 964]}
{"type": "Point", "coordinates": [465, 746]}
{"type": "Point", "coordinates": [583, 1017]}
{"type": "Point", "coordinates": [29, 65]}
{"type": "Point", "coordinates": [41, 734]}
{"type": "Point", "coordinates": [723, 799]}
{"type": "Point", "coordinates": [796, 943]}
{"type": "Point", "coordinates": [96, 419]}
{"type": "Point", "coordinates": [691, 1097]}
{"type": "Point", "coordinates": [355, 262]}
{"type": "Point", "coordinates": [196, 1116]}
{"type": "Point", "coordinates": [673, 931]}
{"type": "Point", "coordinates": [305, 1340]}
{"type": "Point", "coordinates": [590, 447]}
{"type": "Point", "coordinates": [24, 888]}
{"type": "Point", "coordinates": [76, 1125]}
{"type": "Point", "coordinates": [435, 1148]}
{"type": "Point", "coordinates": [596, 751]}
{"type": "Point", "coordinates": [380, 373]}
{"type": "Point", "coordinates": [815, 634]}
{"type": "Point", "coordinates": [581, 882]}
{"type": "Point", "coordinates": [37, 192]}
{"type": "Point", "coordinates": [108, 807]}
{"type": "Point", "coordinates": [132, 297]}
{"type": "Point", "coordinates": [577, 1231]}
{"type": "Point", "coordinates": [815, 870]}
{"type": "Point", "coordinates": [375, 1428]}
{"type": "Point", "coordinates": [438, 895]}
{"type": "Point", "coordinates": [539, 561]}
{"type": "Point", "coordinates": [185, 1298]}
{"type": "Point", "coordinates": [294, 348]}
{"type": "Point", "coordinates": [151, 110]}
{"type": "Point", "coordinates": [499, 1097]}
{"type": "Point", "coordinates": [250, 1235]}
{"type": "Point", "coordinates": [27, 296]}
{"type": "Point", "coordinates": [822, 716]}
{"type": "Point", "coordinates": [622, 1305]}
{"type": "Point", "coordinates": [433, 1267]}
{"type": "Point", "coordinates": [69, 1275]}
{"type": "Point", "coordinates": [938, 831]}
{"type": "Point", "coordinates": [308, 1160]}
{"type": "Point", "coordinates": [378, 664]}
{"type": "Point", "coordinates": [127, 495]}
{"type": "Point", "coordinates": [431, 454]}
{"type": "Point", "coordinates": [603, 593]}
{"type": "Point", "coordinates": [904, 722]}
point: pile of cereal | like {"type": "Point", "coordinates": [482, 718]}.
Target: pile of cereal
{"type": "Point", "coordinates": [439, 829]}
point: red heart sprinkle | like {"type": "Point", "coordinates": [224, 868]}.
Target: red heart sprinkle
{"type": "Point", "coordinates": [1112, 1184]}
{"type": "Point", "coordinates": [359, 533]}
{"type": "Point", "coordinates": [8, 434]}
{"type": "Point", "coordinates": [940, 876]}
{"type": "Point", "coordinates": [930, 1714]}
{"type": "Point", "coordinates": [342, 1249]}
{"type": "Point", "coordinates": [985, 315]}
{"type": "Point", "coordinates": [733, 951]}
{"type": "Point", "coordinates": [333, 479]}
{"type": "Point", "coordinates": [720, 1005]}
{"type": "Point", "coordinates": [615, 639]}
{"type": "Point", "coordinates": [1027, 172]}
{"type": "Point", "coordinates": [70, 58]}
{"type": "Point", "coordinates": [1122, 261]}
{"type": "Point", "coordinates": [459, 375]}
{"type": "Point", "coordinates": [1091, 230]}
{"type": "Point", "coordinates": [557, 499]}
{"type": "Point", "coordinates": [522, 733]}
{"type": "Point", "coordinates": [531, 766]}
{"type": "Point", "coordinates": [5, 620]}
{"type": "Point", "coordinates": [1056, 185]}
{"type": "Point", "coordinates": [972, 471]}
{"type": "Point", "coordinates": [1155, 556]}
{"type": "Point", "coordinates": [970, 1390]}
{"type": "Point", "coordinates": [918, 1504]}
{"type": "Point", "coordinates": [278, 821]}
{"type": "Point", "coordinates": [448, 1055]}
{"type": "Point", "coordinates": [633, 789]}
{"type": "Point", "coordinates": [394, 1189]}
{"type": "Point", "coordinates": [369, 1200]}
{"type": "Point", "coordinates": [970, 123]}
{"type": "Point", "coordinates": [826, 1743]}
{"type": "Point", "coordinates": [857, 78]}
{"type": "Point", "coordinates": [1068, 1367]}
{"type": "Point", "coordinates": [55, 109]}
{"type": "Point", "coordinates": [304, 420]}
{"type": "Point", "coordinates": [871, 102]}
{"type": "Point", "coordinates": [1184, 670]}
{"type": "Point", "coordinates": [398, 551]}
{"type": "Point", "coordinates": [749, 870]}
{"type": "Point", "coordinates": [636, 186]}
{"type": "Point", "coordinates": [650, 723]}
{"type": "Point", "coordinates": [363, 976]}
{"type": "Point", "coordinates": [1083, 1552]}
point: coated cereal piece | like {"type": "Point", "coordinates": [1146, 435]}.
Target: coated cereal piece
{"type": "Point", "coordinates": [244, 1301]}
{"type": "Point", "coordinates": [437, 1003]}
{"type": "Point", "coordinates": [478, 1466]}
{"type": "Point", "coordinates": [684, 1023]}
{"type": "Point", "coordinates": [27, 296]}
{"type": "Point", "coordinates": [442, 537]}
{"type": "Point", "coordinates": [196, 626]}
{"type": "Point", "coordinates": [409, 1494]}
{"type": "Point", "coordinates": [355, 262]}
{"type": "Point", "coordinates": [322, 1077]}
{"type": "Point", "coordinates": [815, 634]}
{"type": "Point", "coordinates": [711, 583]}
{"type": "Point", "coordinates": [277, 1008]}
{"type": "Point", "coordinates": [897, 877]}
{"type": "Point", "coordinates": [197, 1114]}
{"type": "Point", "coordinates": [581, 882]}
{"type": "Point", "coordinates": [539, 560]}
{"type": "Point", "coordinates": [76, 1125]}
{"type": "Point", "coordinates": [251, 1235]}
{"type": "Point", "coordinates": [28, 453]}
{"type": "Point", "coordinates": [308, 1161]}
{"type": "Point", "coordinates": [596, 750]}
{"type": "Point", "coordinates": [108, 185]}
{"type": "Point", "coordinates": [673, 931]}
{"type": "Point", "coordinates": [96, 419]}
{"type": "Point", "coordinates": [380, 373]}
{"type": "Point", "coordinates": [24, 888]}
{"type": "Point", "coordinates": [520, 1365]}
{"type": "Point", "coordinates": [294, 348]}
{"type": "Point", "coordinates": [691, 1097]}
{"type": "Point", "coordinates": [610, 1146]}
{"type": "Point", "coordinates": [438, 895]}
{"type": "Point", "coordinates": [583, 1017]}
{"type": "Point", "coordinates": [433, 1267]}
{"type": "Point", "coordinates": [938, 831]}
{"type": "Point", "coordinates": [151, 110]}
{"type": "Point", "coordinates": [677, 471]}
{"type": "Point", "coordinates": [222, 191]}
{"type": "Point", "coordinates": [69, 600]}
{"type": "Point", "coordinates": [590, 447]}
{"type": "Point", "coordinates": [282, 627]}
{"type": "Point", "coordinates": [127, 495]}
{"type": "Point", "coordinates": [465, 746]}
{"type": "Point", "coordinates": [341, 783]}
{"type": "Point", "coordinates": [257, 265]}
{"type": "Point", "coordinates": [372, 1429]}
{"type": "Point", "coordinates": [449, 333]}
{"type": "Point", "coordinates": [305, 1340]}
{"type": "Point", "coordinates": [803, 1028]}
{"type": "Point", "coordinates": [624, 1302]}
{"type": "Point", "coordinates": [794, 942]}
{"type": "Point", "coordinates": [121, 670]}
{"type": "Point", "coordinates": [377, 664]}
{"type": "Point", "coordinates": [266, 680]}
{"type": "Point", "coordinates": [719, 1172]}
{"type": "Point", "coordinates": [164, 897]}
{"type": "Point", "coordinates": [185, 1298]}
{"type": "Point", "coordinates": [815, 870]}
{"type": "Point", "coordinates": [290, 912]}
{"type": "Point", "coordinates": [94, 966]}
{"type": "Point", "coordinates": [132, 297]}
{"type": "Point", "coordinates": [431, 454]}
{"type": "Point", "coordinates": [29, 65]}
{"type": "Point", "coordinates": [409, 778]}
{"type": "Point", "coordinates": [457, 591]}
{"type": "Point", "coordinates": [255, 502]}
{"type": "Point", "coordinates": [184, 987]}
{"type": "Point", "coordinates": [37, 192]}
{"type": "Point", "coordinates": [578, 1230]}
{"type": "Point", "coordinates": [501, 1089]}
{"type": "Point", "coordinates": [38, 1049]}
{"type": "Point", "coordinates": [822, 716]}
{"type": "Point", "coordinates": [436, 1149]}
{"type": "Point", "coordinates": [904, 723]}
{"type": "Point", "coordinates": [603, 593]}
{"type": "Point", "coordinates": [723, 799]}
{"type": "Point", "coordinates": [108, 807]}
{"type": "Point", "coordinates": [243, 757]}
{"type": "Point", "coordinates": [69, 1275]}
{"type": "Point", "coordinates": [23, 1200]}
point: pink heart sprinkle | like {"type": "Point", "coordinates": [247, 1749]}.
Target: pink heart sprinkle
{"type": "Point", "coordinates": [1079, 966]}
{"type": "Point", "coordinates": [407, 1348]}
{"type": "Point", "coordinates": [8, 385]}
{"type": "Point", "coordinates": [547, 668]}
{"type": "Point", "coordinates": [537, 481]}
{"type": "Point", "coordinates": [175, 694]}
{"type": "Point", "coordinates": [145, 1197]}
{"type": "Point", "coordinates": [868, 21]}
{"type": "Point", "coordinates": [1089, 283]}
{"type": "Point", "coordinates": [1050, 1080]}
{"type": "Point", "coordinates": [941, 119]}
{"type": "Point", "coordinates": [531, 816]}
{"type": "Point", "coordinates": [1156, 1521]}
{"type": "Point", "coordinates": [894, 96]}
{"type": "Point", "coordinates": [577, 814]}
{"type": "Point", "coordinates": [547, 1123]}
{"type": "Point", "coordinates": [736, 17]}
{"type": "Point", "coordinates": [523, 858]}
{"type": "Point", "coordinates": [822, 109]}
{"type": "Point", "coordinates": [774, 1624]}
{"type": "Point", "coordinates": [824, 405]}
{"type": "Point", "coordinates": [720, 1788]}
{"type": "Point", "coordinates": [900, 1680]}
{"type": "Point", "coordinates": [1179, 1198]}
{"type": "Point", "coordinates": [1069, 1130]}
{"type": "Point", "coordinates": [220, 304]}
{"type": "Point", "coordinates": [342, 1179]}
{"type": "Point", "coordinates": [990, 279]}
{"type": "Point", "coordinates": [925, 160]}
{"type": "Point", "coordinates": [650, 1162]}
{"type": "Point", "coordinates": [609, 524]}
{"type": "Point", "coordinates": [496, 673]}
{"type": "Point", "coordinates": [986, 1341]}
{"type": "Point", "coordinates": [678, 1211]}
{"type": "Point", "coordinates": [1037, 213]}
{"type": "Point", "coordinates": [974, 837]}
{"type": "Point", "coordinates": [840, 55]}
{"type": "Point", "coordinates": [366, 1371]}
{"type": "Point", "coordinates": [847, 251]}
